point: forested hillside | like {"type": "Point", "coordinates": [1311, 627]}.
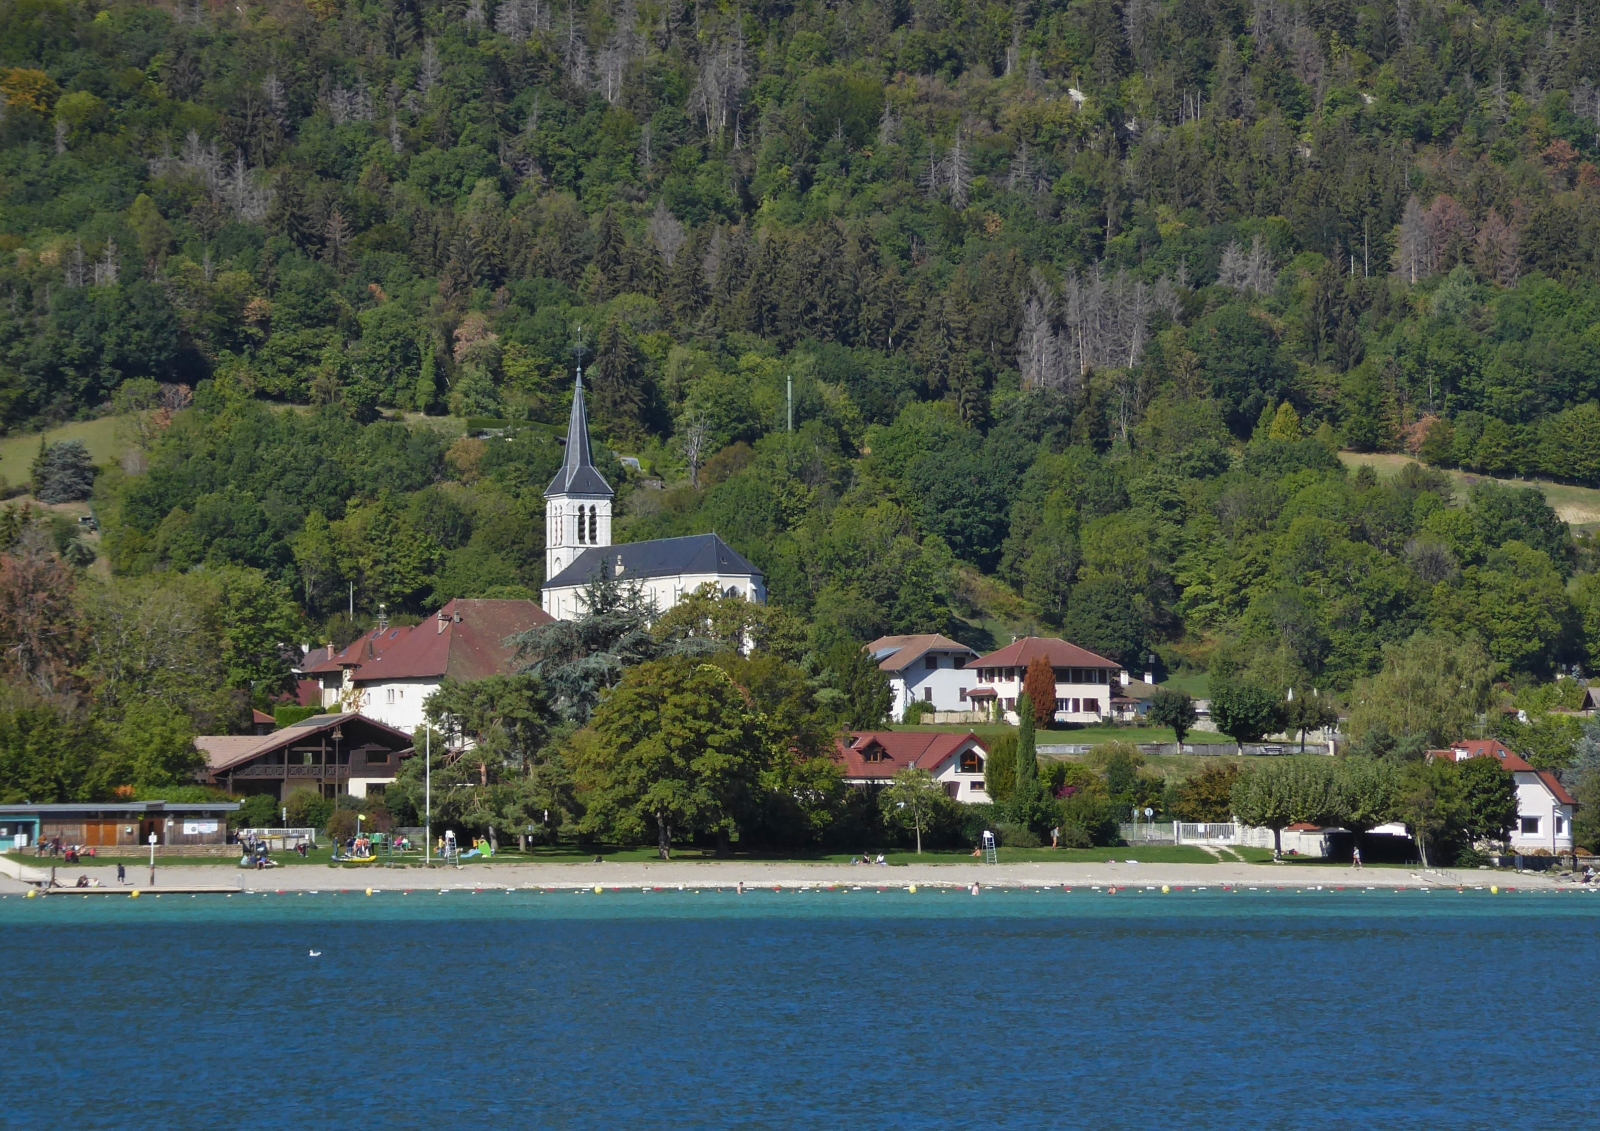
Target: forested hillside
{"type": "Point", "coordinates": [1079, 301]}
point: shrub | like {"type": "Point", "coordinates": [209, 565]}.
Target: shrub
{"type": "Point", "coordinates": [1075, 836]}
{"type": "Point", "coordinates": [916, 712]}
{"type": "Point", "coordinates": [341, 824]}
{"type": "Point", "coordinates": [258, 811]}
{"type": "Point", "coordinates": [308, 810]}
{"type": "Point", "coordinates": [1016, 836]}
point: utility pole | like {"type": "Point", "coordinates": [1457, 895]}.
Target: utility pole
{"type": "Point", "coordinates": [427, 795]}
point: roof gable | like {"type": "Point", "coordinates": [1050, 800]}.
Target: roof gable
{"type": "Point", "coordinates": [465, 640]}
{"type": "Point", "coordinates": [229, 751]}
{"type": "Point", "coordinates": [901, 750]}
{"type": "Point", "coordinates": [897, 653]}
{"type": "Point", "coordinates": [1060, 654]}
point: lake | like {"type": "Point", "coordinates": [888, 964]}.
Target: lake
{"type": "Point", "coordinates": [870, 1008]}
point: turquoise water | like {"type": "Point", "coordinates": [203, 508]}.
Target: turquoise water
{"type": "Point", "coordinates": [820, 1009]}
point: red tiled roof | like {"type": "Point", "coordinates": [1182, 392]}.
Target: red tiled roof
{"type": "Point", "coordinates": [224, 751]}
{"type": "Point", "coordinates": [1057, 651]}
{"type": "Point", "coordinates": [464, 640]}
{"type": "Point", "coordinates": [1557, 790]}
{"type": "Point", "coordinates": [1509, 761]}
{"type": "Point", "coordinates": [262, 719]}
{"type": "Point", "coordinates": [907, 650]}
{"type": "Point", "coordinates": [367, 646]}
{"type": "Point", "coordinates": [902, 749]}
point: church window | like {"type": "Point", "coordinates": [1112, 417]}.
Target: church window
{"type": "Point", "coordinates": [580, 526]}
{"type": "Point", "coordinates": [594, 526]}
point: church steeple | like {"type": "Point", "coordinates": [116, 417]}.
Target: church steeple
{"type": "Point", "coordinates": [578, 474]}
{"type": "Point", "coordinates": [577, 504]}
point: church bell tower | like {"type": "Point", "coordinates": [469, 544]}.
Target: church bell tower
{"type": "Point", "coordinates": [577, 504]}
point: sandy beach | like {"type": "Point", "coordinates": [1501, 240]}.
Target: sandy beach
{"type": "Point", "coordinates": [714, 874]}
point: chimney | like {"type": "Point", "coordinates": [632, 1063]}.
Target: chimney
{"type": "Point", "coordinates": [440, 621]}
{"type": "Point", "coordinates": [1150, 677]}
{"type": "Point", "coordinates": [383, 618]}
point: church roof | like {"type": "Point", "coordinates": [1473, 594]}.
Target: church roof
{"type": "Point", "coordinates": [578, 475]}
{"type": "Point", "coordinates": [663, 557]}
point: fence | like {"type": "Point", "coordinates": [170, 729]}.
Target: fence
{"type": "Point", "coordinates": [1213, 749]}
{"type": "Point", "coordinates": [1221, 835]}
{"type": "Point", "coordinates": [279, 840]}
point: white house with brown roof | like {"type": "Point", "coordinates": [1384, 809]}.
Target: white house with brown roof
{"type": "Point", "coordinates": [1544, 807]}
{"type": "Point", "coordinates": [389, 672]}
{"type": "Point", "coordinates": [925, 669]}
{"type": "Point", "coordinates": [870, 758]}
{"type": "Point", "coordinates": [1085, 683]}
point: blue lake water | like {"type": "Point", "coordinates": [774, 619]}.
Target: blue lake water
{"type": "Point", "coordinates": [823, 1009]}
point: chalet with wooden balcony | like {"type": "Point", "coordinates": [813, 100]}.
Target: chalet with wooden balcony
{"type": "Point", "coordinates": [332, 754]}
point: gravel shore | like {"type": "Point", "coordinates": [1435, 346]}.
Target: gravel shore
{"type": "Point", "coordinates": [713, 874]}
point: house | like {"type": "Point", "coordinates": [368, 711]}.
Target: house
{"type": "Point", "coordinates": [1132, 701]}
{"type": "Point", "coordinates": [578, 549]}
{"type": "Point", "coordinates": [925, 669]}
{"type": "Point", "coordinates": [126, 825]}
{"type": "Point", "coordinates": [389, 672]}
{"type": "Point", "coordinates": [331, 754]}
{"type": "Point", "coordinates": [872, 758]}
{"type": "Point", "coordinates": [1085, 682]}
{"type": "Point", "coordinates": [1544, 807]}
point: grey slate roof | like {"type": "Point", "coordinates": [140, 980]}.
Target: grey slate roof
{"type": "Point", "coordinates": [663, 557]}
{"type": "Point", "coordinates": [578, 475]}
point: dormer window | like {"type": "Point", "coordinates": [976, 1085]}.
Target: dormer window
{"type": "Point", "coordinates": [971, 763]}
{"type": "Point", "coordinates": [874, 753]}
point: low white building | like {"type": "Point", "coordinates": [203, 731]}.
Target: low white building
{"type": "Point", "coordinates": [956, 761]}
{"type": "Point", "coordinates": [389, 673]}
{"type": "Point", "coordinates": [1544, 807]}
{"type": "Point", "coordinates": [1085, 683]}
{"type": "Point", "coordinates": [925, 669]}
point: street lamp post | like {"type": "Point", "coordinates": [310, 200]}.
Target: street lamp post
{"type": "Point", "coordinates": [427, 795]}
{"type": "Point", "coordinates": [153, 839]}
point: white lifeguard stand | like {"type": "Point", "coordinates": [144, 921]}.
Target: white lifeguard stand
{"type": "Point", "coordinates": [990, 854]}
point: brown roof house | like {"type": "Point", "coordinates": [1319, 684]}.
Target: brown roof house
{"type": "Point", "coordinates": [955, 760]}
{"type": "Point", "coordinates": [389, 672]}
{"type": "Point", "coordinates": [1085, 683]}
{"type": "Point", "coordinates": [925, 669]}
{"type": "Point", "coordinates": [332, 754]}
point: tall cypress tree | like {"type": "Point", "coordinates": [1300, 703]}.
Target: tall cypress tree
{"type": "Point", "coordinates": [1027, 746]}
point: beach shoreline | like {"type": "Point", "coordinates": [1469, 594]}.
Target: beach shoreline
{"type": "Point", "coordinates": [729, 874]}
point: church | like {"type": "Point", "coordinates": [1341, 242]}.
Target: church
{"type": "Point", "coordinates": [577, 540]}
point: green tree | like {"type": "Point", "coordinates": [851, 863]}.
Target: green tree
{"type": "Point", "coordinates": [1283, 792]}
{"type": "Point", "coordinates": [1366, 793]}
{"type": "Point", "coordinates": [1027, 746]}
{"type": "Point", "coordinates": [154, 746]}
{"type": "Point", "coordinates": [1000, 768]}
{"type": "Point", "coordinates": [1309, 712]}
{"type": "Point", "coordinates": [1433, 806]}
{"type": "Point", "coordinates": [1432, 686]}
{"type": "Point", "coordinates": [1175, 709]}
{"type": "Point", "coordinates": [913, 800]}
{"type": "Point", "coordinates": [1207, 796]}
{"type": "Point", "coordinates": [1245, 712]}
{"type": "Point", "coordinates": [62, 473]}
{"type": "Point", "coordinates": [678, 748]}
{"type": "Point", "coordinates": [1489, 797]}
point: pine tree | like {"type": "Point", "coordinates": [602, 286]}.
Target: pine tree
{"type": "Point", "coordinates": [611, 257]}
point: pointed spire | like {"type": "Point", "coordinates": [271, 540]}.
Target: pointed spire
{"type": "Point", "coordinates": [578, 474]}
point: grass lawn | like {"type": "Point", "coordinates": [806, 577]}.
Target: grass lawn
{"type": "Point", "coordinates": [1579, 506]}
{"type": "Point", "coordinates": [99, 436]}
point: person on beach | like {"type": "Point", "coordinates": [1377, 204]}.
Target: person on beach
{"type": "Point", "coordinates": [1055, 837]}
{"type": "Point", "coordinates": [122, 874]}
{"type": "Point", "coordinates": [1355, 858]}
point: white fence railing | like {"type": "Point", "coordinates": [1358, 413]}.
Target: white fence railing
{"type": "Point", "coordinates": [1220, 834]}
{"type": "Point", "coordinates": [278, 840]}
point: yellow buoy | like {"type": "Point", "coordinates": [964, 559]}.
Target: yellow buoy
{"type": "Point", "coordinates": [33, 894]}
{"type": "Point", "coordinates": [1165, 890]}
{"type": "Point", "coordinates": [598, 889]}
{"type": "Point", "coordinates": [1494, 890]}
{"type": "Point", "coordinates": [134, 894]}
{"type": "Point", "coordinates": [369, 891]}
{"type": "Point", "coordinates": [912, 889]}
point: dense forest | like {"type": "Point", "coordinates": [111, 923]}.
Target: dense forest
{"type": "Point", "coordinates": [1080, 302]}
